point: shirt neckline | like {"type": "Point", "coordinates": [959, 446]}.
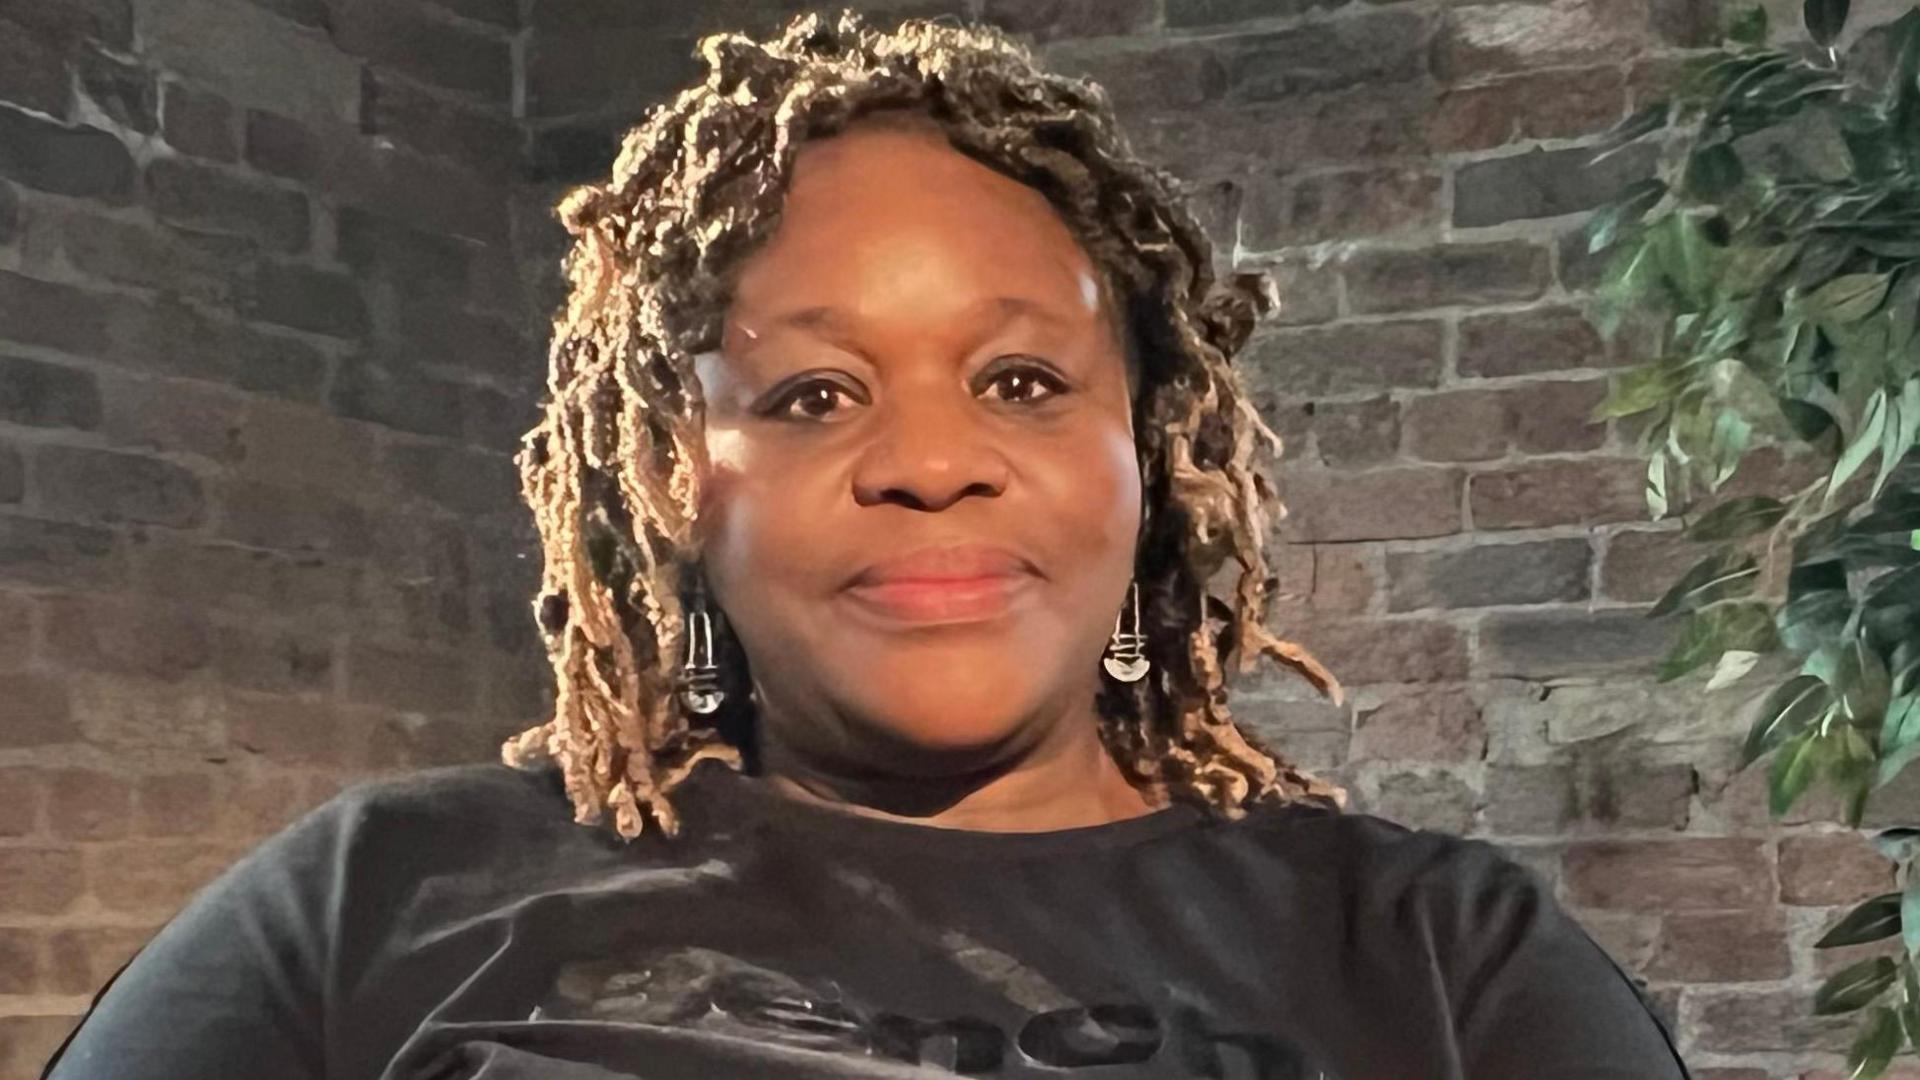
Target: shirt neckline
{"type": "Point", "coordinates": [738, 796]}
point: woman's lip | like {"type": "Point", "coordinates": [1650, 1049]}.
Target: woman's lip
{"type": "Point", "coordinates": [943, 600]}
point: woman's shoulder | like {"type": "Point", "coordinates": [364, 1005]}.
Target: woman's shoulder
{"type": "Point", "coordinates": [446, 804]}
{"type": "Point", "coordinates": [1378, 854]}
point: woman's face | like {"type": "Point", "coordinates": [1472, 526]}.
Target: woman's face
{"type": "Point", "coordinates": [919, 359]}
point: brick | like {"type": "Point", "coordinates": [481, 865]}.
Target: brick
{"type": "Point", "coordinates": [16, 631]}
{"type": "Point", "coordinates": [1046, 20]}
{"type": "Point", "coordinates": [1747, 1021]}
{"type": "Point", "coordinates": [1182, 14]}
{"type": "Point", "coordinates": [223, 577]}
{"type": "Point", "coordinates": [1388, 651]}
{"type": "Point", "coordinates": [571, 153]}
{"type": "Point", "coordinates": [408, 678]}
{"type": "Point", "coordinates": [205, 266]}
{"type": "Point", "coordinates": [1831, 869]}
{"type": "Point", "coordinates": [1532, 105]}
{"type": "Point", "coordinates": [125, 92]}
{"type": "Point", "coordinates": [1356, 433]}
{"type": "Point", "coordinates": [1529, 342]}
{"type": "Point", "coordinates": [1439, 801]}
{"type": "Point", "coordinates": [1476, 40]}
{"type": "Point", "coordinates": [22, 793]}
{"type": "Point", "coordinates": [37, 394]}
{"type": "Point", "coordinates": [264, 62]}
{"type": "Point", "coordinates": [34, 711]}
{"type": "Point", "coordinates": [199, 123]}
{"type": "Point", "coordinates": [33, 71]}
{"type": "Point", "coordinates": [281, 146]}
{"type": "Point", "coordinates": [1529, 800]}
{"type": "Point", "coordinates": [87, 804]}
{"type": "Point", "coordinates": [27, 1041]}
{"type": "Point", "coordinates": [39, 880]}
{"type": "Point", "coordinates": [1622, 793]}
{"type": "Point", "coordinates": [311, 13]}
{"type": "Point", "coordinates": [1721, 947]}
{"type": "Point", "coordinates": [449, 337]}
{"type": "Point", "coordinates": [37, 552]}
{"type": "Point", "coordinates": [9, 214]}
{"type": "Point", "coordinates": [286, 731]}
{"type": "Point", "coordinates": [436, 127]}
{"type": "Point", "coordinates": [1336, 54]}
{"type": "Point", "coordinates": [1574, 492]}
{"type": "Point", "coordinates": [84, 959]}
{"type": "Point", "coordinates": [199, 196]}
{"type": "Point", "coordinates": [1466, 425]}
{"type": "Point", "coordinates": [397, 252]}
{"type": "Point", "coordinates": [397, 36]}
{"type": "Point", "coordinates": [146, 716]}
{"type": "Point", "coordinates": [272, 660]}
{"type": "Point", "coordinates": [1343, 205]}
{"type": "Point", "coordinates": [123, 637]}
{"type": "Point", "coordinates": [174, 804]}
{"type": "Point", "coordinates": [152, 879]}
{"type": "Point", "coordinates": [1344, 359]}
{"type": "Point", "coordinates": [1539, 572]}
{"type": "Point", "coordinates": [34, 312]}
{"type": "Point", "coordinates": [104, 487]}
{"type": "Point", "coordinates": [13, 475]}
{"type": "Point", "coordinates": [1543, 183]}
{"type": "Point", "coordinates": [1444, 276]}
{"type": "Point", "coordinates": [1552, 644]}
{"type": "Point", "coordinates": [294, 445]}
{"type": "Point", "coordinates": [172, 417]}
{"type": "Point", "coordinates": [1442, 724]}
{"type": "Point", "coordinates": [22, 967]}
{"type": "Point", "coordinates": [1139, 73]}
{"type": "Point", "coordinates": [184, 341]}
{"type": "Point", "coordinates": [465, 481]}
{"type": "Point", "coordinates": [606, 68]}
{"type": "Point", "coordinates": [294, 519]}
{"type": "Point", "coordinates": [109, 22]}
{"type": "Point", "coordinates": [399, 400]}
{"type": "Point", "coordinates": [1553, 417]}
{"type": "Point", "coordinates": [1695, 874]}
{"type": "Point", "coordinates": [497, 421]}
{"type": "Point", "coordinates": [82, 162]}
{"type": "Point", "coordinates": [1641, 565]}
{"type": "Point", "coordinates": [1380, 504]}
{"type": "Point", "coordinates": [502, 13]}
{"type": "Point", "coordinates": [305, 298]}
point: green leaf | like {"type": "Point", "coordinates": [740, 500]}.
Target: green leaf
{"type": "Point", "coordinates": [1657, 485]}
{"type": "Point", "coordinates": [1790, 710]}
{"type": "Point", "coordinates": [1813, 618]}
{"type": "Point", "coordinates": [1748, 27]}
{"type": "Point", "coordinates": [1733, 666]}
{"type": "Point", "coordinates": [1608, 222]}
{"type": "Point", "coordinates": [1825, 19]}
{"type": "Point", "coordinates": [1713, 630]}
{"type": "Point", "coordinates": [1873, 1050]}
{"type": "Point", "coordinates": [1737, 518]}
{"type": "Point", "coordinates": [1910, 915]}
{"type": "Point", "coordinates": [1863, 683]}
{"type": "Point", "coordinates": [1864, 443]}
{"type": "Point", "coordinates": [1902, 425]}
{"type": "Point", "coordinates": [1899, 738]}
{"type": "Point", "coordinates": [1712, 173]}
{"type": "Point", "coordinates": [1726, 573]}
{"type": "Point", "coordinates": [1855, 986]}
{"type": "Point", "coordinates": [1645, 121]}
{"type": "Point", "coordinates": [1872, 920]}
{"type": "Point", "coordinates": [1642, 388]}
{"type": "Point", "coordinates": [1846, 299]}
{"type": "Point", "coordinates": [1795, 766]}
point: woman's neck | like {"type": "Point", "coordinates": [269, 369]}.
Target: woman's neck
{"type": "Point", "coordinates": [1065, 782]}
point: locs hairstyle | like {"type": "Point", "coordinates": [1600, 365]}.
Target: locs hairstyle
{"type": "Point", "coordinates": [612, 469]}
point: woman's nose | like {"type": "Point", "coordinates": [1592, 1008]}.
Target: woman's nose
{"type": "Point", "coordinates": [929, 449]}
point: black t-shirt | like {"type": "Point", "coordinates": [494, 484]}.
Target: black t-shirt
{"type": "Point", "coordinates": [457, 925]}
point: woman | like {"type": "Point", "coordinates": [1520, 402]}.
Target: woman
{"type": "Point", "coordinates": [891, 453]}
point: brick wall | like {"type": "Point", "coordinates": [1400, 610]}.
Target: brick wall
{"type": "Point", "coordinates": [273, 280]}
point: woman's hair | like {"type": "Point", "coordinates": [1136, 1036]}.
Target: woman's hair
{"type": "Point", "coordinates": [612, 469]}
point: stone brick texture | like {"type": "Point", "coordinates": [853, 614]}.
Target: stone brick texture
{"type": "Point", "coordinates": [275, 282]}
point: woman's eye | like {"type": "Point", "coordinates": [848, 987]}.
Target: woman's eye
{"type": "Point", "coordinates": [1025, 384]}
{"type": "Point", "coordinates": [811, 400]}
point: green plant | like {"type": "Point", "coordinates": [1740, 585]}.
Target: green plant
{"type": "Point", "coordinates": [1771, 273]}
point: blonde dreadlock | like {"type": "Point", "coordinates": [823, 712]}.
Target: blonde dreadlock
{"type": "Point", "coordinates": [611, 470]}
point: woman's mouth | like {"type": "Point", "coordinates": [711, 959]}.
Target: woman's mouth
{"type": "Point", "coordinates": [943, 600]}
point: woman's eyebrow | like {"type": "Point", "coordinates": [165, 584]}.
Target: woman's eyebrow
{"type": "Point", "coordinates": [1004, 308]}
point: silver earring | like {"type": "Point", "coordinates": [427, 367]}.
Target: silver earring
{"type": "Point", "coordinates": [700, 691]}
{"type": "Point", "coordinates": [1126, 658]}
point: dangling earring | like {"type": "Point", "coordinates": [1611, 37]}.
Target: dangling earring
{"type": "Point", "coordinates": [1126, 658]}
{"type": "Point", "coordinates": [700, 691]}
